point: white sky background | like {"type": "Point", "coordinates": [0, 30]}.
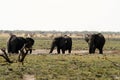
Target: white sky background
{"type": "Point", "coordinates": [60, 15]}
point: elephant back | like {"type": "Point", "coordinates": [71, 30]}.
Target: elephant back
{"type": "Point", "coordinates": [60, 41]}
{"type": "Point", "coordinates": [99, 39]}
{"type": "Point", "coordinates": [15, 43]}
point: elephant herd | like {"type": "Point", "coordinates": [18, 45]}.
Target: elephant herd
{"type": "Point", "coordinates": [95, 41]}
{"type": "Point", "coordinates": [62, 43]}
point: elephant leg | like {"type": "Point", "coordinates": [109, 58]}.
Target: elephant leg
{"type": "Point", "coordinates": [9, 48]}
{"type": "Point", "coordinates": [69, 51]}
{"type": "Point", "coordinates": [51, 50]}
{"type": "Point", "coordinates": [100, 51]}
{"type": "Point", "coordinates": [92, 50]}
{"type": "Point", "coordinates": [63, 51]}
{"type": "Point", "coordinates": [30, 51]}
{"type": "Point", "coordinates": [58, 50]}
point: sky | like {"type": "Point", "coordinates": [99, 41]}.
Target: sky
{"type": "Point", "coordinates": [60, 15]}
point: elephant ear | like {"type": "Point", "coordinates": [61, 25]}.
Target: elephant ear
{"type": "Point", "coordinates": [12, 37]}
{"type": "Point", "coordinates": [87, 37]}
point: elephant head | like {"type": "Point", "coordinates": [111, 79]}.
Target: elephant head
{"type": "Point", "coordinates": [29, 43]}
{"type": "Point", "coordinates": [95, 41]}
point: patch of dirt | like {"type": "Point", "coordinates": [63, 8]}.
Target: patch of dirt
{"type": "Point", "coordinates": [28, 77]}
{"type": "Point", "coordinates": [45, 51]}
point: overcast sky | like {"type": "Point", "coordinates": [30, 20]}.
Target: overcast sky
{"type": "Point", "coordinates": [60, 15]}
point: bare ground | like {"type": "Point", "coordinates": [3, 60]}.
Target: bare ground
{"type": "Point", "coordinates": [29, 77]}
{"type": "Point", "coordinates": [45, 51]}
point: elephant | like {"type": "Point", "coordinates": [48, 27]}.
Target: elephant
{"type": "Point", "coordinates": [15, 44]}
{"type": "Point", "coordinates": [95, 41]}
{"type": "Point", "coordinates": [62, 43]}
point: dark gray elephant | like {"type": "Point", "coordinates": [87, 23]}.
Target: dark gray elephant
{"type": "Point", "coordinates": [15, 44]}
{"type": "Point", "coordinates": [62, 43]}
{"type": "Point", "coordinates": [95, 41]}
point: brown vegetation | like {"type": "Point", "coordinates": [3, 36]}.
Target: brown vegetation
{"type": "Point", "coordinates": [51, 34]}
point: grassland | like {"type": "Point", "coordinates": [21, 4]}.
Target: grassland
{"type": "Point", "coordinates": [64, 66]}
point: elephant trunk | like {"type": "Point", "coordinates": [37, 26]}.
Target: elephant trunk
{"type": "Point", "coordinates": [52, 47]}
{"type": "Point", "coordinates": [92, 48]}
